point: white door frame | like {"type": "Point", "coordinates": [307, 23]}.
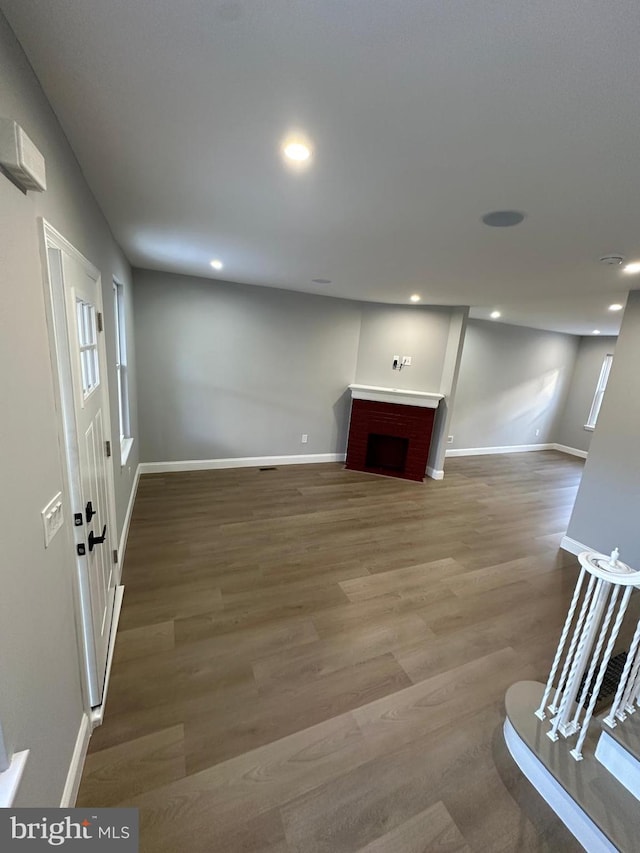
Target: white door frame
{"type": "Point", "coordinates": [63, 390]}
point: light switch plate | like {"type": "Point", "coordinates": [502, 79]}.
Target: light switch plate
{"type": "Point", "coordinates": [52, 518]}
{"type": "Point", "coordinates": [406, 360]}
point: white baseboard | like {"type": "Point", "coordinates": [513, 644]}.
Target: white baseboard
{"type": "Point", "coordinates": [516, 448]}
{"type": "Point", "coordinates": [574, 818]}
{"type": "Point", "coordinates": [435, 473]}
{"type": "Point", "coordinates": [122, 546]}
{"type": "Point", "coordinates": [74, 775]}
{"type": "Point", "coordinates": [572, 451]}
{"type": "Point", "coordinates": [239, 462]}
{"type": "Point", "coordinates": [97, 713]}
{"type": "Point", "coordinates": [573, 546]}
{"type": "Point", "coordinates": [487, 451]}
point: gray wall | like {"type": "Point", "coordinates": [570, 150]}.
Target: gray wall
{"type": "Point", "coordinates": [513, 381]}
{"type": "Point", "coordinates": [591, 353]}
{"type": "Point", "coordinates": [40, 693]}
{"type": "Point", "coordinates": [232, 370]}
{"type": "Point", "coordinates": [448, 386]}
{"type": "Point", "coordinates": [606, 509]}
{"type": "Point", "coordinates": [418, 331]}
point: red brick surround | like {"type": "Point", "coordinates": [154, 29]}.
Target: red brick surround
{"type": "Point", "coordinates": [414, 423]}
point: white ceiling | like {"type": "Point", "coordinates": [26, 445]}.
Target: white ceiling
{"type": "Point", "coordinates": [424, 115]}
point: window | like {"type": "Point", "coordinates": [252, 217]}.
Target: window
{"type": "Point", "coordinates": [597, 397]}
{"type": "Point", "coordinates": [126, 439]}
{"type": "Point", "coordinates": [88, 345]}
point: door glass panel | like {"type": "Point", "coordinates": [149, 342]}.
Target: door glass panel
{"type": "Point", "coordinates": [88, 346]}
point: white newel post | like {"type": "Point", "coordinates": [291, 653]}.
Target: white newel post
{"type": "Point", "coordinates": [600, 615]}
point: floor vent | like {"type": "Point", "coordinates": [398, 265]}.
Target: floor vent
{"type": "Point", "coordinates": [611, 680]}
{"type": "Point", "coordinates": [268, 468]}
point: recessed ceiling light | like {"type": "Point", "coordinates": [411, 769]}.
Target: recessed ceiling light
{"type": "Point", "coordinates": [596, 332]}
{"type": "Point", "coordinates": [297, 150]}
{"type": "Point", "coordinates": [321, 280]}
{"type": "Point", "coordinates": [503, 218]}
{"type": "Point", "coordinates": [615, 307]}
{"type": "Point", "coordinates": [415, 298]}
{"type": "Point", "coordinates": [632, 269]}
{"type": "Point", "coordinates": [216, 264]}
{"type": "Point", "coordinates": [495, 314]}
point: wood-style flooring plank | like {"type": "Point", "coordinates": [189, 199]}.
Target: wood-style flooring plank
{"type": "Point", "coordinates": [240, 789]}
{"type": "Point", "coordinates": [431, 831]}
{"type": "Point", "coordinates": [313, 659]}
{"type": "Point", "coordinates": [133, 767]}
{"type": "Point", "coordinates": [399, 781]}
{"type": "Point", "coordinates": [277, 713]}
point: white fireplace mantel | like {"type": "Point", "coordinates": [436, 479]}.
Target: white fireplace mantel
{"type": "Point", "coordinates": [399, 396]}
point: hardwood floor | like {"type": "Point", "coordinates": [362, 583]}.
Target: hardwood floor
{"type": "Point", "coordinates": [314, 660]}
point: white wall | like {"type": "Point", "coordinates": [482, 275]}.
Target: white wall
{"type": "Point", "coordinates": [40, 691]}
{"type": "Point", "coordinates": [513, 382]}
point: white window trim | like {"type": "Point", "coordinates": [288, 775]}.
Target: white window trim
{"type": "Point", "coordinates": [598, 395]}
{"type": "Point", "coordinates": [124, 413]}
{"type": "Point", "coordinates": [125, 449]}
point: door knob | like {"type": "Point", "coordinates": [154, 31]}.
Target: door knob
{"type": "Point", "coordinates": [97, 540]}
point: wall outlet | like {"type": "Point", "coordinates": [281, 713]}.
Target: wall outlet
{"type": "Point", "coordinates": [449, 439]}
{"type": "Point", "coordinates": [304, 439]}
{"type": "Point", "coordinates": [396, 362]}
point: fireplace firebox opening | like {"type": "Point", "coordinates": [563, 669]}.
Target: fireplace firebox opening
{"type": "Point", "coordinates": [387, 452]}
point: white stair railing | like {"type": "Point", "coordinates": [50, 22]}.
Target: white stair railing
{"type": "Point", "coordinates": [596, 629]}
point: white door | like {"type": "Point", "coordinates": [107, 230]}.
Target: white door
{"type": "Point", "coordinates": [85, 401]}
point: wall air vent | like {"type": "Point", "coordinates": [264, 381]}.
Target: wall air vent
{"type": "Point", "coordinates": [20, 157]}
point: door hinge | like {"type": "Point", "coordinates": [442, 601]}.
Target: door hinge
{"type": "Point", "coordinates": [99, 320]}
{"type": "Point", "coordinates": [115, 555]}
{"type": "Point", "coordinates": [107, 447]}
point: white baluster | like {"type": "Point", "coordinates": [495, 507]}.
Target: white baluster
{"type": "Point", "coordinates": [563, 637]}
{"type": "Point", "coordinates": [585, 644]}
{"type": "Point", "coordinates": [624, 679]}
{"type": "Point", "coordinates": [574, 639]}
{"type": "Point", "coordinates": [596, 654]}
{"type": "Point", "coordinates": [577, 751]}
{"type": "Point", "coordinates": [632, 680]}
{"type": "Point", "coordinates": [632, 692]}
{"type": "Point", "coordinates": [635, 698]}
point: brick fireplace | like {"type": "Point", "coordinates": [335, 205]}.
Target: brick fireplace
{"type": "Point", "coordinates": [389, 437]}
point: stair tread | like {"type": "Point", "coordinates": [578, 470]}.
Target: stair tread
{"type": "Point", "coordinates": [604, 799]}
